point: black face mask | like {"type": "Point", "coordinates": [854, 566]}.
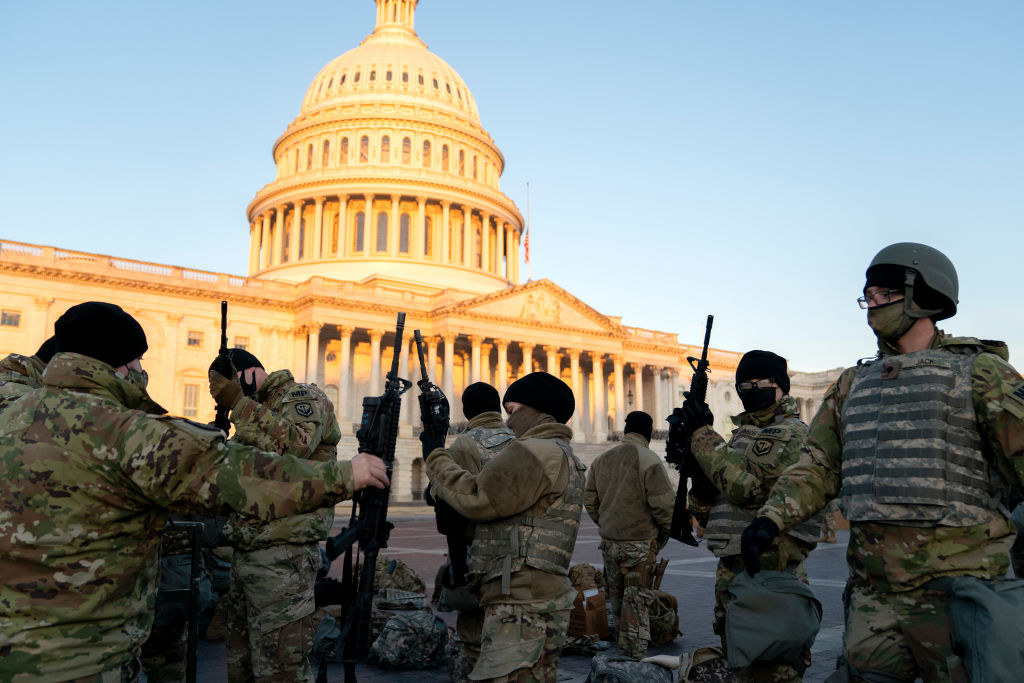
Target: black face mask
{"type": "Point", "coordinates": [248, 387]}
{"type": "Point", "coordinates": [756, 398]}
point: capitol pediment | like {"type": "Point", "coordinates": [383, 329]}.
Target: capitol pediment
{"type": "Point", "coordinates": [540, 303]}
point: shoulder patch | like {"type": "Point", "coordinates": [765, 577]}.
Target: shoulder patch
{"type": "Point", "coordinates": [771, 431]}
{"type": "Point", "coordinates": [1015, 401]}
{"type": "Point", "coordinates": [762, 447]}
{"type": "Point", "coordinates": [304, 409]}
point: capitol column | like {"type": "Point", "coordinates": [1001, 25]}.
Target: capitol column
{"type": "Point", "coordinates": [254, 242]}
{"type": "Point", "coordinates": [600, 432]}
{"type": "Point", "coordinates": [418, 236]}
{"type": "Point", "coordinates": [502, 368]}
{"type": "Point", "coordinates": [369, 227]}
{"type": "Point", "coordinates": [265, 240]}
{"type": "Point", "coordinates": [511, 257]}
{"type": "Point", "coordinates": [345, 374]}
{"type": "Point", "coordinates": [467, 235]}
{"type": "Point", "coordinates": [432, 357]}
{"type": "Point", "coordinates": [393, 226]}
{"type": "Point", "coordinates": [485, 241]}
{"type": "Point", "coordinates": [577, 419]}
{"type": "Point", "coordinates": [299, 344]}
{"type": "Point", "coordinates": [659, 405]}
{"type": "Point", "coordinates": [515, 261]}
{"type": "Point", "coordinates": [275, 254]}
{"type": "Point", "coordinates": [474, 370]}
{"type": "Point", "coordinates": [552, 357]}
{"type": "Point", "coordinates": [638, 387]}
{"type": "Point", "coordinates": [343, 236]}
{"type": "Point", "coordinates": [620, 393]}
{"type": "Point", "coordinates": [296, 230]}
{"type": "Point", "coordinates": [313, 354]}
{"type": "Point", "coordinates": [446, 231]}
{"type": "Point", "coordinates": [499, 246]}
{"type": "Point", "coordinates": [485, 363]}
{"type": "Point", "coordinates": [527, 357]}
{"type": "Point", "coordinates": [318, 226]}
{"type": "Point", "coordinates": [375, 337]}
{"type": "Point", "coordinates": [449, 367]}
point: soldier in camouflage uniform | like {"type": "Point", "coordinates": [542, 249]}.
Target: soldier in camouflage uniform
{"type": "Point", "coordinates": [21, 374]}
{"type": "Point", "coordinates": [270, 604]}
{"type": "Point", "coordinates": [485, 437]}
{"type": "Point", "coordinates": [919, 445]}
{"type": "Point", "coordinates": [88, 481]}
{"type": "Point", "coordinates": [532, 490]}
{"type": "Point", "coordinates": [743, 469]}
{"type": "Point", "coordinates": [630, 498]}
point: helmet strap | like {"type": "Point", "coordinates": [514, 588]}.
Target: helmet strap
{"type": "Point", "coordinates": [909, 308]}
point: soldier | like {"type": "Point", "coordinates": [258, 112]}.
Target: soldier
{"type": "Point", "coordinates": [88, 481]}
{"type": "Point", "coordinates": [21, 374]}
{"type": "Point", "coordinates": [630, 498]}
{"type": "Point", "coordinates": [533, 491]}
{"type": "Point", "coordinates": [485, 437]}
{"type": "Point", "coordinates": [742, 470]}
{"type": "Point", "coordinates": [274, 565]}
{"type": "Point", "coordinates": [922, 441]}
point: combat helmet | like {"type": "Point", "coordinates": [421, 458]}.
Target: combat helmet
{"type": "Point", "coordinates": [929, 279]}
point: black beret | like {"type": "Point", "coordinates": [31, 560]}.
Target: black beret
{"type": "Point", "coordinates": [102, 331]}
{"type": "Point", "coordinates": [480, 397]}
{"type": "Point", "coordinates": [640, 423]}
{"type": "Point", "coordinates": [243, 360]}
{"type": "Point", "coordinates": [763, 365]}
{"type": "Point", "coordinates": [543, 392]}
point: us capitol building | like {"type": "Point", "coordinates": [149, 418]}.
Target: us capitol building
{"type": "Point", "coordinates": [386, 198]}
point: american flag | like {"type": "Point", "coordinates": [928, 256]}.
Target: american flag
{"type": "Point", "coordinates": [526, 245]}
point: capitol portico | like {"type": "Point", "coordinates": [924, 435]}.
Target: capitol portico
{"type": "Point", "coordinates": [386, 198]}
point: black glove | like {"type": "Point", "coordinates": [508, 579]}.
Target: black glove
{"type": "Point", "coordinates": [696, 414]}
{"type": "Point", "coordinates": [756, 539]}
{"type": "Point", "coordinates": [224, 386]}
{"type": "Point", "coordinates": [327, 592]}
{"type": "Point", "coordinates": [430, 443]}
{"type": "Point", "coordinates": [447, 520]}
{"type": "Point", "coordinates": [702, 487]}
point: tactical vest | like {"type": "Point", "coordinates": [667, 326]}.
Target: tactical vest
{"type": "Point", "coordinates": [544, 541]}
{"type": "Point", "coordinates": [726, 521]}
{"type": "Point", "coordinates": [911, 448]}
{"type": "Point", "coordinates": [491, 441]}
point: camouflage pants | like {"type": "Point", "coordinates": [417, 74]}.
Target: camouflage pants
{"type": "Point", "coordinates": [627, 571]}
{"type": "Point", "coordinates": [905, 635]}
{"type": "Point", "coordinates": [828, 525]}
{"type": "Point", "coordinates": [270, 613]}
{"type": "Point", "coordinates": [125, 673]}
{"type": "Point", "coordinates": [466, 650]}
{"type": "Point", "coordinates": [759, 672]}
{"type": "Point", "coordinates": [521, 643]}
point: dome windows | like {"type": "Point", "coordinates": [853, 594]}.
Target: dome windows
{"type": "Point", "coordinates": [325, 158]}
{"type": "Point", "coordinates": [427, 237]}
{"type": "Point", "coordinates": [435, 84]}
{"type": "Point", "coordinates": [342, 81]}
{"type": "Point", "coordinates": [420, 77]}
{"type": "Point", "coordinates": [373, 75]}
{"type": "Point", "coordinates": [343, 152]}
{"type": "Point", "coordinates": [462, 162]}
{"type": "Point", "coordinates": [355, 78]}
{"type": "Point", "coordinates": [330, 83]}
{"type": "Point", "coordinates": [448, 87]}
{"type": "Point", "coordinates": [444, 157]}
{"type": "Point", "coordinates": [309, 157]}
{"type": "Point", "coordinates": [405, 77]}
{"type": "Point", "coordinates": [403, 234]}
{"type": "Point", "coordinates": [364, 149]}
{"type": "Point", "coordinates": [382, 231]}
{"type": "Point", "coordinates": [426, 154]}
{"type": "Point", "coordinates": [406, 151]}
{"type": "Point", "coordinates": [360, 236]}
{"type": "Point", "coordinates": [385, 149]}
{"type": "Point", "coordinates": [387, 76]}
{"type": "Point", "coordinates": [474, 166]}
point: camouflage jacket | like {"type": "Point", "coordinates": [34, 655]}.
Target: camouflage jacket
{"type": "Point", "coordinates": [894, 557]}
{"type": "Point", "coordinates": [87, 485]}
{"type": "Point", "coordinates": [524, 476]}
{"type": "Point", "coordinates": [628, 494]}
{"type": "Point", "coordinates": [744, 469]}
{"type": "Point", "coordinates": [19, 375]}
{"type": "Point", "coordinates": [285, 417]}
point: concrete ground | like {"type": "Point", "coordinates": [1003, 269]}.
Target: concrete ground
{"type": "Point", "coordinates": [690, 577]}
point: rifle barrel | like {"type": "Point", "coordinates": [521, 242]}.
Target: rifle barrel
{"type": "Point", "coordinates": [707, 340]}
{"type": "Point", "coordinates": [419, 351]}
{"type": "Point", "coordinates": [399, 330]}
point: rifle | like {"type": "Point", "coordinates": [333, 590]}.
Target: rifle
{"type": "Point", "coordinates": [222, 421]}
{"type": "Point", "coordinates": [434, 412]}
{"type": "Point", "coordinates": [677, 448]}
{"type": "Point", "coordinates": [368, 525]}
{"type": "Point", "coordinates": [190, 595]}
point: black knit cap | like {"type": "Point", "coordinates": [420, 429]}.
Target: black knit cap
{"type": "Point", "coordinates": [763, 365]}
{"type": "Point", "coordinates": [243, 360]}
{"type": "Point", "coordinates": [892, 276]}
{"type": "Point", "coordinates": [102, 331]}
{"type": "Point", "coordinates": [543, 392]}
{"type": "Point", "coordinates": [640, 423]}
{"type": "Point", "coordinates": [47, 349]}
{"type": "Point", "coordinates": [480, 397]}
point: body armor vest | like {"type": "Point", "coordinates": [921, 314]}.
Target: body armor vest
{"type": "Point", "coordinates": [490, 441]}
{"type": "Point", "coordinates": [540, 538]}
{"type": "Point", "coordinates": [726, 521]}
{"type": "Point", "coordinates": [911, 448]}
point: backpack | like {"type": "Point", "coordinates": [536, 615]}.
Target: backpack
{"type": "Point", "coordinates": [617, 669]}
{"type": "Point", "coordinates": [393, 573]}
{"type": "Point", "coordinates": [663, 611]}
{"type": "Point", "coordinates": [413, 640]}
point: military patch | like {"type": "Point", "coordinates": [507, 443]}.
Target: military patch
{"type": "Point", "coordinates": [304, 409]}
{"type": "Point", "coordinates": [771, 430]}
{"type": "Point", "coordinates": [1014, 402]}
{"type": "Point", "coordinates": [298, 392]}
{"type": "Point", "coordinates": [762, 447]}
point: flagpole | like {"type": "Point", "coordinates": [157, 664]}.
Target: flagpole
{"type": "Point", "coordinates": [528, 267]}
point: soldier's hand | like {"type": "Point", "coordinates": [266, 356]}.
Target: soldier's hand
{"type": "Point", "coordinates": [369, 470]}
{"type": "Point", "coordinates": [756, 539]}
{"type": "Point", "coordinates": [696, 414]}
{"type": "Point", "coordinates": [430, 443]}
{"type": "Point", "coordinates": [224, 386]}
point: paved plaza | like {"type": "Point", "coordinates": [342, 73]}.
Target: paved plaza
{"type": "Point", "coordinates": [690, 577]}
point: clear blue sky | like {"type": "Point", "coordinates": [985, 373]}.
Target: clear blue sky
{"type": "Point", "coordinates": [738, 158]}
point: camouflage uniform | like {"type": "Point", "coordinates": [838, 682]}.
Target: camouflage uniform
{"type": "Point", "coordinates": [87, 483]}
{"type": "Point", "coordinates": [534, 489]}
{"type": "Point", "coordinates": [828, 523]}
{"type": "Point", "coordinates": [630, 498]}
{"type": "Point", "coordinates": [744, 469]}
{"type": "Point", "coordinates": [485, 437]}
{"type": "Point", "coordinates": [901, 537]}
{"type": "Point", "coordinates": [270, 605]}
{"type": "Point", "coordinates": [19, 375]}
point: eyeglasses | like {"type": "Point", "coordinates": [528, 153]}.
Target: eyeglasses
{"type": "Point", "coordinates": [880, 298]}
{"type": "Point", "coordinates": [756, 384]}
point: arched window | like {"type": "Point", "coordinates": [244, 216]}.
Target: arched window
{"type": "Point", "coordinates": [444, 157]}
{"type": "Point", "coordinates": [334, 234]}
{"type": "Point", "coordinates": [420, 79]}
{"type": "Point", "coordinates": [364, 149]}
{"type": "Point", "coordinates": [448, 87]}
{"type": "Point", "coordinates": [477, 244]}
{"type": "Point", "coordinates": [343, 79]}
{"type": "Point", "coordinates": [326, 156]}
{"type": "Point", "coordinates": [474, 166]}
{"type": "Point", "coordinates": [403, 234]}
{"type": "Point", "coordinates": [382, 231]}
{"type": "Point", "coordinates": [406, 151]}
{"type": "Point", "coordinates": [462, 162]}
{"type": "Point", "coordinates": [387, 76]}
{"type": "Point", "coordinates": [309, 157]}
{"type": "Point", "coordinates": [356, 77]}
{"type": "Point", "coordinates": [285, 243]}
{"type": "Point", "coordinates": [405, 77]}
{"type": "Point", "coordinates": [296, 159]}
{"type": "Point", "coordinates": [343, 152]}
{"type": "Point", "coordinates": [302, 237]}
{"type": "Point", "coordinates": [373, 75]}
{"type": "Point", "coordinates": [427, 237]}
{"type": "Point", "coordinates": [385, 149]}
{"type": "Point", "coordinates": [426, 154]}
{"type": "Point", "coordinates": [360, 242]}
{"type": "Point", "coordinates": [435, 84]}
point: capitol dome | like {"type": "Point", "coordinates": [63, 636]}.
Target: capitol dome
{"type": "Point", "coordinates": [387, 173]}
